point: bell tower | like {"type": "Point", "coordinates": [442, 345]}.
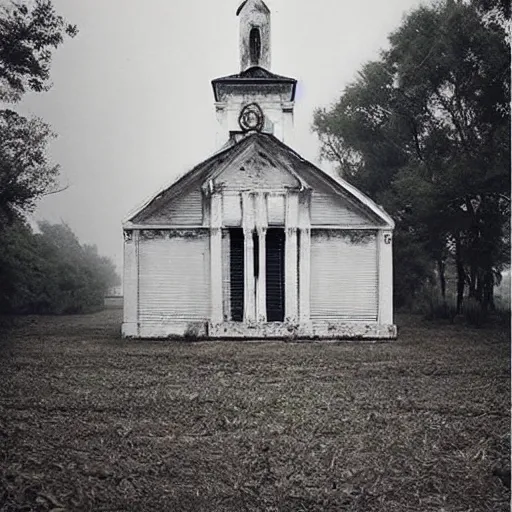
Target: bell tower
{"type": "Point", "coordinates": [254, 34]}
{"type": "Point", "coordinates": [254, 99]}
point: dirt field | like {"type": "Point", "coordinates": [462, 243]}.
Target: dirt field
{"type": "Point", "coordinates": [89, 422]}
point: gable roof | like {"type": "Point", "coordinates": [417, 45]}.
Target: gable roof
{"type": "Point", "coordinates": [280, 153]}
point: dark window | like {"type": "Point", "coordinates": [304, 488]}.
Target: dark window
{"type": "Point", "coordinates": [255, 46]}
{"type": "Point", "coordinates": [236, 274]}
{"type": "Point", "coordinates": [275, 274]}
{"type": "Point", "coordinates": [256, 252]}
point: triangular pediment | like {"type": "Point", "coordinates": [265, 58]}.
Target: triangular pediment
{"type": "Point", "coordinates": [261, 162]}
{"type": "Point", "coordinates": [254, 169]}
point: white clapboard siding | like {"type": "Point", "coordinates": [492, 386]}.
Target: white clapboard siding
{"type": "Point", "coordinates": [184, 210]}
{"type": "Point", "coordinates": [174, 279]}
{"type": "Point", "coordinates": [344, 277]}
{"type": "Point", "coordinates": [329, 210]}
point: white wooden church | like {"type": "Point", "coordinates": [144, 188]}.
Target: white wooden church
{"type": "Point", "coordinates": [256, 242]}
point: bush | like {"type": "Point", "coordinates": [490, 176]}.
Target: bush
{"type": "Point", "coordinates": [434, 307]}
{"type": "Point", "coordinates": [502, 316]}
{"type": "Point", "coordinates": [474, 313]}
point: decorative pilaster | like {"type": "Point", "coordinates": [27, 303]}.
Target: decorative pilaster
{"type": "Point", "coordinates": [261, 227]}
{"type": "Point", "coordinates": [249, 285]}
{"type": "Point", "coordinates": [304, 257]}
{"type": "Point", "coordinates": [216, 258]}
{"type": "Point", "coordinates": [262, 278]}
{"type": "Point", "coordinates": [291, 278]}
{"type": "Point", "coordinates": [385, 241]}
{"type": "Point", "coordinates": [288, 122]}
{"type": "Point", "coordinates": [131, 284]}
{"type": "Point", "coordinates": [290, 265]}
{"type": "Point", "coordinates": [305, 274]}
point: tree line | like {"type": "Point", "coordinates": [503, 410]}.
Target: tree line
{"type": "Point", "coordinates": [48, 271]}
{"type": "Point", "coordinates": [425, 131]}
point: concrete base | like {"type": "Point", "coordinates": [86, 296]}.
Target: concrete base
{"type": "Point", "coordinates": [303, 331]}
{"type": "Point", "coordinates": [181, 329]}
{"type": "Point", "coordinates": [271, 330]}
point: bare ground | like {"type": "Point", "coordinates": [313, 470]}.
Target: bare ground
{"type": "Point", "coordinates": [91, 422]}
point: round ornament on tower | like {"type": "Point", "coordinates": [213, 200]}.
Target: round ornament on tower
{"type": "Point", "coordinates": [251, 118]}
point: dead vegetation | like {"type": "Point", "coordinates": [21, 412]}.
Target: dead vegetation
{"type": "Point", "coordinates": [89, 422]}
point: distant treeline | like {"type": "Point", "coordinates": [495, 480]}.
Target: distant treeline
{"type": "Point", "coordinates": [51, 272]}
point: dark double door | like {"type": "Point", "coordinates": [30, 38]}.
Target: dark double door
{"type": "Point", "coordinates": [275, 271]}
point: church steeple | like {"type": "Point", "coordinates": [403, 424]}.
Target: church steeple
{"type": "Point", "coordinates": [254, 94]}
{"type": "Point", "coordinates": [254, 34]}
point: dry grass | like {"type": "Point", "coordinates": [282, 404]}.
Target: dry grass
{"type": "Point", "coordinates": [89, 422]}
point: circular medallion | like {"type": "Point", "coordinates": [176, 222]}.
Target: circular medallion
{"type": "Point", "coordinates": [251, 118]}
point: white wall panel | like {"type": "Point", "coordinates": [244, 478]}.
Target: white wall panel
{"type": "Point", "coordinates": [174, 278]}
{"type": "Point", "coordinates": [276, 210]}
{"type": "Point", "coordinates": [344, 275]}
{"type": "Point", "coordinates": [231, 209]}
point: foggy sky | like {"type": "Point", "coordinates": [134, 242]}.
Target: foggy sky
{"type": "Point", "coordinates": [132, 102]}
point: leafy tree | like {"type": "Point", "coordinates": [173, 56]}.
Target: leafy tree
{"type": "Point", "coordinates": [28, 34]}
{"type": "Point", "coordinates": [48, 272]}
{"type": "Point", "coordinates": [25, 171]}
{"type": "Point", "coordinates": [425, 130]}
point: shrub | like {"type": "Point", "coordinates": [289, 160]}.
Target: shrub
{"type": "Point", "coordinates": [435, 307]}
{"type": "Point", "coordinates": [473, 312]}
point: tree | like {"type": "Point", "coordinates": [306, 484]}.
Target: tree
{"type": "Point", "coordinates": [25, 171]}
{"type": "Point", "coordinates": [27, 37]}
{"type": "Point", "coordinates": [51, 272]}
{"type": "Point", "coordinates": [425, 130]}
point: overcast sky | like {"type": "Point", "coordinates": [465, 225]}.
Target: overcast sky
{"type": "Point", "coordinates": [132, 102]}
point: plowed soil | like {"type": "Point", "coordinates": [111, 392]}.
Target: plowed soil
{"type": "Point", "coordinates": [91, 422]}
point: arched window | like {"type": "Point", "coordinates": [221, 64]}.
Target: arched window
{"type": "Point", "coordinates": [255, 46]}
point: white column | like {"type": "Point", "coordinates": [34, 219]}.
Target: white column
{"type": "Point", "coordinates": [131, 284]}
{"type": "Point", "coordinates": [290, 265]}
{"type": "Point", "coordinates": [304, 257]}
{"type": "Point", "coordinates": [262, 279]}
{"type": "Point", "coordinates": [385, 245]}
{"type": "Point", "coordinates": [288, 123]}
{"type": "Point", "coordinates": [216, 258]}
{"type": "Point", "coordinates": [305, 273]}
{"type": "Point", "coordinates": [291, 278]}
{"type": "Point", "coordinates": [222, 132]}
{"type": "Point", "coordinates": [261, 226]}
{"type": "Point", "coordinates": [249, 289]}
{"type": "Point", "coordinates": [249, 285]}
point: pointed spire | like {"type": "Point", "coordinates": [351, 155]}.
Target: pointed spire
{"type": "Point", "coordinates": [260, 3]}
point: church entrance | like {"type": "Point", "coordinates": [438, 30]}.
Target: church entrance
{"type": "Point", "coordinates": [275, 274]}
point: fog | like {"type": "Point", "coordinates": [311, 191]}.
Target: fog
{"type": "Point", "coordinates": [132, 103]}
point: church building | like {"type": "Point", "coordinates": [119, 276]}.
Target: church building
{"type": "Point", "coordinates": [257, 242]}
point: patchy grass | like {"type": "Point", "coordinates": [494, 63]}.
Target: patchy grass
{"type": "Point", "coordinates": [90, 422]}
